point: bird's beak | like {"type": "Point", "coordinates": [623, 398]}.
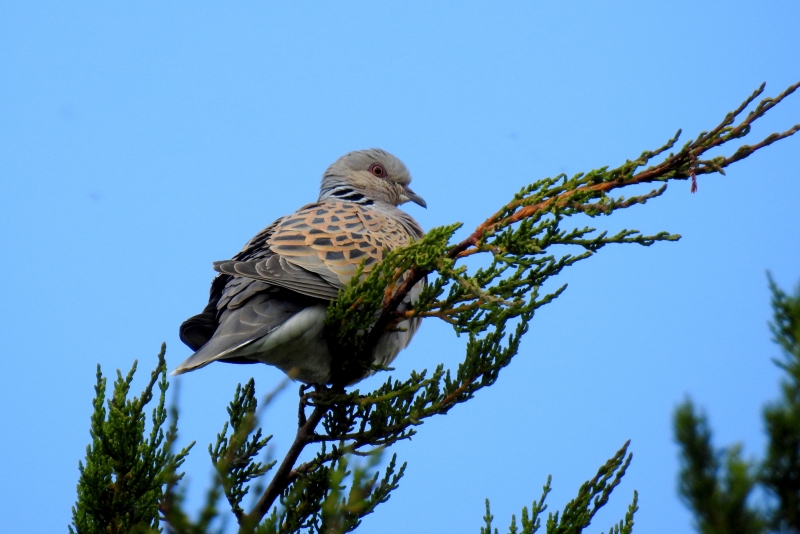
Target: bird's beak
{"type": "Point", "coordinates": [408, 195]}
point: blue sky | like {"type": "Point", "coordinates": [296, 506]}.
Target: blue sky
{"type": "Point", "coordinates": [139, 142]}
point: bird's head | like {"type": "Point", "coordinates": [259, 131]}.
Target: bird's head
{"type": "Point", "coordinates": [371, 174]}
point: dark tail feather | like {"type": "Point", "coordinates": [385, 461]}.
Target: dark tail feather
{"type": "Point", "coordinates": [196, 331]}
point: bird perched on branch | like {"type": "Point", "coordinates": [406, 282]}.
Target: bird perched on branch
{"type": "Point", "coordinates": [268, 303]}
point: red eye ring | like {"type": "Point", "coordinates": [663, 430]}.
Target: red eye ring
{"type": "Point", "coordinates": [377, 170]}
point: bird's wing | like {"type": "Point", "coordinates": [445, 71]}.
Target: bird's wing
{"type": "Point", "coordinates": [227, 292]}
{"type": "Point", "coordinates": [316, 250]}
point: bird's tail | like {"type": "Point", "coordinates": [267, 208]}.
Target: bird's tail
{"type": "Point", "coordinates": [207, 354]}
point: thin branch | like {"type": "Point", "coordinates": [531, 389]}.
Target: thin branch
{"type": "Point", "coordinates": [281, 479]}
{"type": "Point", "coordinates": [679, 166]}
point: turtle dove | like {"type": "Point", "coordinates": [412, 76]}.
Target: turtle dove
{"type": "Point", "coordinates": [268, 303]}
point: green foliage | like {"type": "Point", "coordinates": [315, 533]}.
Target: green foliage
{"type": "Point", "coordinates": [333, 500]}
{"type": "Point", "coordinates": [234, 457]}
{"type": "Point", "coordinates": [593, 495]}
{"type": "Point", "coordinates": [121, 483]}
{"type": "Point", "coordinates": [716, 483]}
{"type": "Point", "coordinates": [579, 512]}
{"type": "Point", "coordinates": [780, 471]}
{"type": "Point", "coordinates": [354, 312]}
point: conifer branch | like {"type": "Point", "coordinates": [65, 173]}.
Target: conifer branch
{"type": "Point", "coordinates": [717, 483]}
{"type": "Point", "coordinates": [587, 193]}
{"type": "Point", "coordinates": [234, 457]}
{"type": "Point", "coordinates": [122, 481]}
{"type": "Point", "coordinates": [579, 512]}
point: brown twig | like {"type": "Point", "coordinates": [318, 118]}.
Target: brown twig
{"type": "Point", "coordinates": [678, 166]}
{"type": "Point", "coordinates": [281, 479]}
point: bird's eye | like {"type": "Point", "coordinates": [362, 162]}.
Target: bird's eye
{"type": "Point", "coordinates": [378, 170]}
